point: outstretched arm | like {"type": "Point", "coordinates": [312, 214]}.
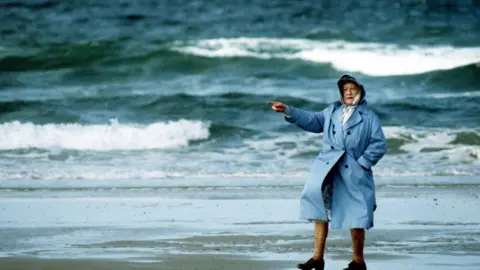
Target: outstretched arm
{"type": "Point", "coordinates": [309, 121]}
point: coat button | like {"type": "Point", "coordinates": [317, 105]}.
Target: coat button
{"type": "Point", "coordinates": [348, 132]}
{"type": "Point", "coordinates": [328, 162]}
{"type": "Point", "coordinates": [332, 147]}
{"type": "Point", "coordinates": [334, 132]}
{"type": "Point", "coordinates": [346, 166]}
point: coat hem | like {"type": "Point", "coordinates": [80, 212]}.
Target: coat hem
{"type": "Point", "coordinates": [351, 226]}
{"type": "Point", "coordinates": [340, 227]}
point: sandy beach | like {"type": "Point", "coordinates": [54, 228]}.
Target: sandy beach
{"type": "Point", "coordinates": [417, 226]}
{"type": "Point", "coordinates": [171, 262]}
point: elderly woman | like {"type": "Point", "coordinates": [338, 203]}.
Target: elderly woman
{"type": "Point", "coordinates": [340, 190]}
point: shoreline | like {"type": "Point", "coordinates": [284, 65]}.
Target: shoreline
{"type": "Point", "coordinates": [418, 228]}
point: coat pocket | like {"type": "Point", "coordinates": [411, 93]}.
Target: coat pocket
{"type": "Point", "coordinates": [359, 166]}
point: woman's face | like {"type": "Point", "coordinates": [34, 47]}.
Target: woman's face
{"type": "Point", "coordinates": [350, 91]}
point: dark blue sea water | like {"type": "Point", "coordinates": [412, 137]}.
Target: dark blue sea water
{"type": "Point", "coordinates": [145, 90]}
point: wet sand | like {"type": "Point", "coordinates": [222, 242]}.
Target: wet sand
{"type": "Point", "coordinates": [171, 262]}
{"type": "Point", "coordinates": [422, 228]}
{"type": "Point", "coordinates": [231, 262]}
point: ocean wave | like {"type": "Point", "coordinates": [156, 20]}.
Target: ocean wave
{"type": "Point", "coordinates": [98, 177]}
{"type": "Point", "coordinates": [141, 107]}
{"type": "Point", "coordinates": [468, 94]}
{"type": "Point", "coordinates": [411, 151]}
{"type": "Point", "coordinates": [411, 140]}
{"type": "Point", "coordinates": [444, 102]}
{"type": "Point", "coordinates": [244, 55]}
{"type": "Point", "coordinates": [96, 152]}
{"type": "Point", "coordinates": [58, 56]}
{"type": "Point", "coordinates": [460, 78]}
{"type": "Point", "coordinates": [456, 146]}
{"type": "Point", "coordinates": [373, 59]}
{"type": "Point", "coordinates": [224, 101]}
{"type": "Point", "coordinates": [438, 110]}
{"type": "Point", "coordinates": [162, 176]}
{"type": "Point", "coordinates": [114, 136]}
{"type": "Point", "coordinates": [232, 116]}
{"type": "Point", "coordinates": [419, 139]}
{"type": "Point", "coordinates": [73, 64]}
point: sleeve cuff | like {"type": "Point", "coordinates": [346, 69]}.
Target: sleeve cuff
{"type": "Point", "coordinates": [364, 162]}
{"type": "Point", "coordinates": [287, 112]}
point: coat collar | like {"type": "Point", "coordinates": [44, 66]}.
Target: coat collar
{"type": "Point", "coordinates": [362, 109]}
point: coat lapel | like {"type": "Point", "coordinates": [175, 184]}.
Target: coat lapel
{"type": "Point", "coordinates": [336, 115]}
{"type": "Point", "coordinates": [336, 124]}
{"type": "Point", "coordinates": [353, 120]}
{"type": "Point", "coordinates": [356, 116]}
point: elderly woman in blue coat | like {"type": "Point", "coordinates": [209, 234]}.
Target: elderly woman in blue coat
{"type": "Point", "coordinates": [340, 189]}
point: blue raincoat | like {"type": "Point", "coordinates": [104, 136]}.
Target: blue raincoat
{"type": "Point", "coordinates": [349, 152]}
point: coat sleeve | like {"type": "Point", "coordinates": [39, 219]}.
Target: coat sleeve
{"type": "Point", "coordinates": [309, 121]}
{"type": "Point", "coordinates": [376, 147]}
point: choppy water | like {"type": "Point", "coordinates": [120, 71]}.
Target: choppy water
{"type": "Point", "coordinates": [149, 90]}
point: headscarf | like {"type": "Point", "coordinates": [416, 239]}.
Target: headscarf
{"type": "Point", "coordinates": [349, 109]}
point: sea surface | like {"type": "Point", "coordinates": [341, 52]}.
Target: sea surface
{"type": "Point", "coordinates": [167, 100]}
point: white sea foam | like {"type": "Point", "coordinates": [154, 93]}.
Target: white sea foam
{"type": "Point", "coordinates": [426, 151]}
{"type": "Point", "coordinates": [102, 172]}
{"type": "Point", "coordinates": [420, 139]}
{"type": "Point", "coordinates": [453, 95]}
{"type": "Point", "coordinates": [415, 140]}
{"type": "Point", "coordinates": [374, 59]}
{"type": "Point", "coordinates": [421, 151]}
{"type": "Point", "coordinates": [114, 136]}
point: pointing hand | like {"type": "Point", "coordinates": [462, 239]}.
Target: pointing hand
{"type": "Point", "coordinates": [277, 106]}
